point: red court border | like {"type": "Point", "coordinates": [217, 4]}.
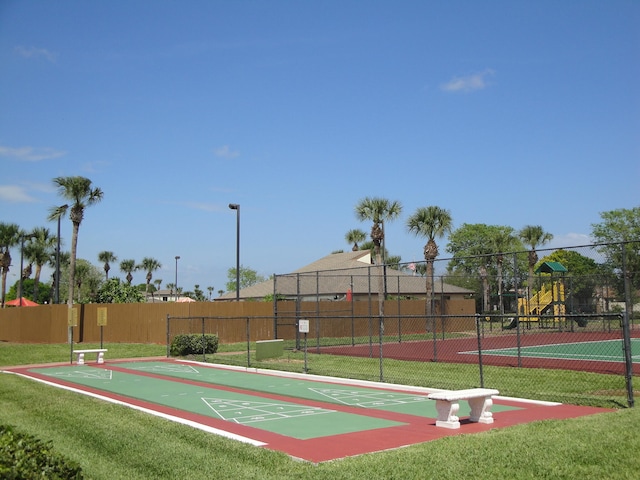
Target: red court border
{"type": "Point", "coordinates": [417, 429]}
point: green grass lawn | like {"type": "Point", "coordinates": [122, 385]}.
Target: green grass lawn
{"type": "Point", "coordinates": [114, 442]}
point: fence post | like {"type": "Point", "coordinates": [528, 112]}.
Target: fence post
{"type": "Point", "coordinates": [248, 343]}
{"type": "Point", "coordinates": [168, 346]}
{"type": "Point", "coordinates": [381, 333]}
{"type": "Point", "coordinates": [204, 343]}
{"type": "Point", "coordinates": [625, 328]}
{"type": "Point", "coordinates": [479, 350]}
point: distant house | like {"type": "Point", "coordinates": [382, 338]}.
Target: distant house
{"type": "Point", "coordinates": [345, 276]}
{"type": "Point", "coordinates": [165, 295]}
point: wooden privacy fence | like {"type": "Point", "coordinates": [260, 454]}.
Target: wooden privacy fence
{"type": "Point", "coordinates": [147, 322]}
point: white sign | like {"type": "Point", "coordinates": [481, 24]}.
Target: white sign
{"type": "Point", "coordinates": [303, 326]}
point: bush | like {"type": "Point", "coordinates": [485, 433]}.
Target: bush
{"type": "Point", "coordinates": [25, 456]}
{"type": "Point", "coordinates": [193, 344]}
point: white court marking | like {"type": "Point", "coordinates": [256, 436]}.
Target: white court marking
{"type": "Point", "coordinates": [88, 373]}
{"type": "Point", "coordinates": [368, 399]}
{"type": "Point", "coordinates": [245, 412]}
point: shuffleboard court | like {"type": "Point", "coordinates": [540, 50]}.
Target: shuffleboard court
{"type": "Point", "coordinates": [312, 419]}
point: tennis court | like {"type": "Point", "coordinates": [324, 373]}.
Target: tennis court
{"type": "Point", "coordinates": [596, 351]}
{"type": "Point", "coordinates": [310, 418]}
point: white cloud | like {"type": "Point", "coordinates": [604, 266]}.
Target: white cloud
{"type": "Point", "coordinates": [15, 194]}
{"type": "Point", "coordinates": [31, 154]}
{"type": "Point", "coordinates": [33, 52]}
{"type": "Point", "coordinates": [226, 152]}
{"type": "Point", "coordinates": [569, 240]}
{"type": "Point", "coordinates": [470, 83]}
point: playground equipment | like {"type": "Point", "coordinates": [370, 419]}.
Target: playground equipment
{"type": "Point", "coordinates": [547, 305]}
{"type": "Point", "coordinates": [547, 301]}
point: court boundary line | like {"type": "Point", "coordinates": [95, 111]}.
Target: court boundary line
{"type": "Point", "coordinates": [173, 418]}
{"type": "Point", "coordinates": [492, 351]}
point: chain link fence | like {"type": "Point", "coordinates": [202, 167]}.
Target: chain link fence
{"type": "Point", "coordinates": [559, 325]}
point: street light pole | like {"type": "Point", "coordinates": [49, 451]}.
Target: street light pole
{"type": "Point", "coordinates": [176, 285]}
{"type": "Point", "coordinates": [236, 207]}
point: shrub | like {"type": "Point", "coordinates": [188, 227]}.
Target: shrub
{"type": "Point", "coordinates": [193, 344]}
{"type": "Point", "coordinates": [25, 456]}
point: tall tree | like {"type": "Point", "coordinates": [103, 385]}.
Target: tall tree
{"type": "Point", "coordinates": [377, 210]}
{"type": "Point", "coordinates": [502, 241]}
{"type": "Point", "coordinates": [619, 226]}
{"type": "Point", "coordinates": [9, 237]}
{"type": "Point", "coordinates": [107, 257]}
{"type": "Point", "coordinates": [39, 251]}
{"type": "Point", "coordinates": [149, 265]}
{"type": "Point", "coordinates": [81, 194]}
{"type": "Point", "coordinates": [248, 277]}
{"type": "Point", "coordinates": [355, 236]}
{"type": "Point", "coordinates": [56, 214]}
{"type": "Point", "coordinates": [533, 236]}
{"type": "Point", "coordinates": [128, 266]}
{"type": "Point", "coordinates": [430, 222]}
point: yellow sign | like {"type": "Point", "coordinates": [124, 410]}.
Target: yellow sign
{"type": "Point", "coordinates": [102, 316]}
{"type": "Point", "coordinates": [72, 317]}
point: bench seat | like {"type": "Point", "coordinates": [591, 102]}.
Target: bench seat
{"type": "Point", "coordinates": [447, 405]}
{"type": "Point", "coordinates": [99, 351]}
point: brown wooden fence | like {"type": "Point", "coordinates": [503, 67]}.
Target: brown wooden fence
{"type": "Point", "coordinates": [147, 322]}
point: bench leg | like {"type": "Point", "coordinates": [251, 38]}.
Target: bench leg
{"type": "Point", "coordinates": [80, 358]}
{"type": "Point", "coordinates": [481, 409]}
{"type": "Point", "coordinates": [447, 414]}
{"type": "Point", "coordinates": [100, 357]}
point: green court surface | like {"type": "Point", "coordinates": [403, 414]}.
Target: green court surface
{"type": "Point", "coordinates": [300, 409]}
{"type": "Point", "coordinates": [600, 351]}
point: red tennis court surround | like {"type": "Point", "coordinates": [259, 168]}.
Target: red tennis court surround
{"type": "Point", "coordinates": [465, 350]}
{"type": "Point", "coordinates": [311, 418]}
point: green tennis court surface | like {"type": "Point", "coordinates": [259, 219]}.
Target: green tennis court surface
{"type": "Point", "coordinates": [599, 351]}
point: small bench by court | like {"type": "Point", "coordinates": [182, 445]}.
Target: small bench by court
{"type": "Point", "coordinates": [98, 351]}
{"type": "Point", "coordinates": [448, 403]}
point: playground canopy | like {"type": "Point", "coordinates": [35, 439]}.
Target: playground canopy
{"type": "Point", "coordinates": [551, 267]}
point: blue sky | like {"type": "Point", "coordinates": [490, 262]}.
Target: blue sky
{"type": "Point", "coordinates": [503, 112]}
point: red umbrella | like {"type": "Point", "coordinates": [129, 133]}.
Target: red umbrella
{"type": "Point", "coordinates": [24, 303]}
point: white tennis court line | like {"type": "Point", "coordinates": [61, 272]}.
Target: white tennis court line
{"type": "Point", "coordinates": [529, 352]}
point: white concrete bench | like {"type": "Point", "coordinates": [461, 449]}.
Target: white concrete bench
{"type": "Point", "coordinates": [99, 351]}
{"type": "Point", "coordinates": [447, 405]}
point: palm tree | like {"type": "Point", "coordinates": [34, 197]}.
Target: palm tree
{"type": "Point", "coordinates": [210, 291]}
{"type": "Point", "coordinates": [170, 287]}
{"type": "Point", "coordinates": [128, 266]}
{"type": "Point", "coordinates": [431, 222]}
{"type": "Point", "coordinates": [502, 239]}
{"type": "Point", "coordinates": [79, 192]}
{"type": "Point", "coordinates": [106, 257]}
{"type": "Point", "coordinates": [39, 251]}
{"type": "Point", "coordinates": [533, 236]}
{"type": "Point", "coordinates": [149, 265]}
{"type": "Point", "coordinates": [355, 236]}
{"type": "Point", "coordinates": [378, 210]}
{"type": "Point", "coordinates": [56, 214]}
{"type": "Point", "coordinates": [9, 237]}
